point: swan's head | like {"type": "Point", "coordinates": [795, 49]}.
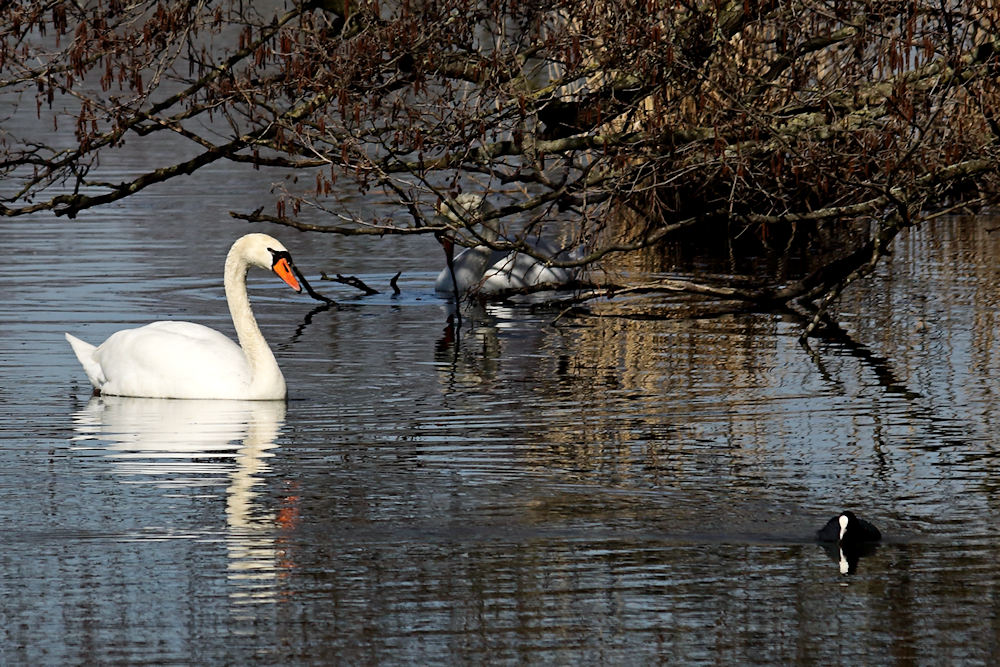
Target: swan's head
{"type": "Point", "coordinates": [266, 252]}
{"type": "Point", "coordinates": [467, 209]}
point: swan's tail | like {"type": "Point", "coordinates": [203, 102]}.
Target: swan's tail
{"type": "Point", "coordinates": [85, 353]}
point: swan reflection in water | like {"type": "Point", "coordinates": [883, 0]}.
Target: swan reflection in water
{"type": "Point", "coordinates": [175, 444]}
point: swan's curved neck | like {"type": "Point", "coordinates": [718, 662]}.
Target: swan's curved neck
{"type": "Point", "coordinates": [263, 366]}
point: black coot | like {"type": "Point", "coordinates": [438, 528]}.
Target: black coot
{"type": "Point", "coordinates": [848, 529]}
{"type": "Point", "coordinates": [846, 538]}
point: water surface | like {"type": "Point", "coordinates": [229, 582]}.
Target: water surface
{"type": "Point", "coordinates": [610, 489]}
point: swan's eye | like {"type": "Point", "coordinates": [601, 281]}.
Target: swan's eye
{"type": "Point", "coordinates": [277, 256]}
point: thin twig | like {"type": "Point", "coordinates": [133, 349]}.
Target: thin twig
{"type": "Point", "coordinates": [353, 281]}
{"type": "Point", "coordinates": [309, 289]}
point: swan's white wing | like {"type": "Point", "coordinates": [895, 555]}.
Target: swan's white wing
{"type": "Point", "coordinates": [174, 360]}
{"type": "Point", "coordinates": [536, 273]}
{"type": "Point", "coordinates": [517, 271]}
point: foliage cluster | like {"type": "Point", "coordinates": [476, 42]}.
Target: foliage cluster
{"type": "Point", "coordinates": [637, 120]}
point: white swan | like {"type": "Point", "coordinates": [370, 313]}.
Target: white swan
{"type": "Point", "coordinates": [487, 271]}
{"type": "Point", "coordinates": [187, 360]}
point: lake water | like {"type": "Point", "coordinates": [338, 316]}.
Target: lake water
{"type": "Point", "coordinates": [609, 490]}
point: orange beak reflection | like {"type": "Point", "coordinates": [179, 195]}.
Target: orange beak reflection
{"type": "Point", "coordinates": [284, 270]}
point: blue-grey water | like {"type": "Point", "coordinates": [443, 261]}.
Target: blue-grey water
{"type": "Point", "coordinates": [607, 490]}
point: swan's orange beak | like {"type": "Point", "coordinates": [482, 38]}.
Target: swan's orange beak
{"type": "Point", "coordinates": [284, 270]}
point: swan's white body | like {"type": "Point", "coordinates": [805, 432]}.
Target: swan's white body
{"type": "Point", "coordinates": [487, 271]}
{"type": "Point", "coordinates": [517, 270]}
{"type": "Point", "coordinates": [188, 360]}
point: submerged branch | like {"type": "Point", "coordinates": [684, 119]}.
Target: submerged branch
{"type": "Point", "coordinates": [352, 281]}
